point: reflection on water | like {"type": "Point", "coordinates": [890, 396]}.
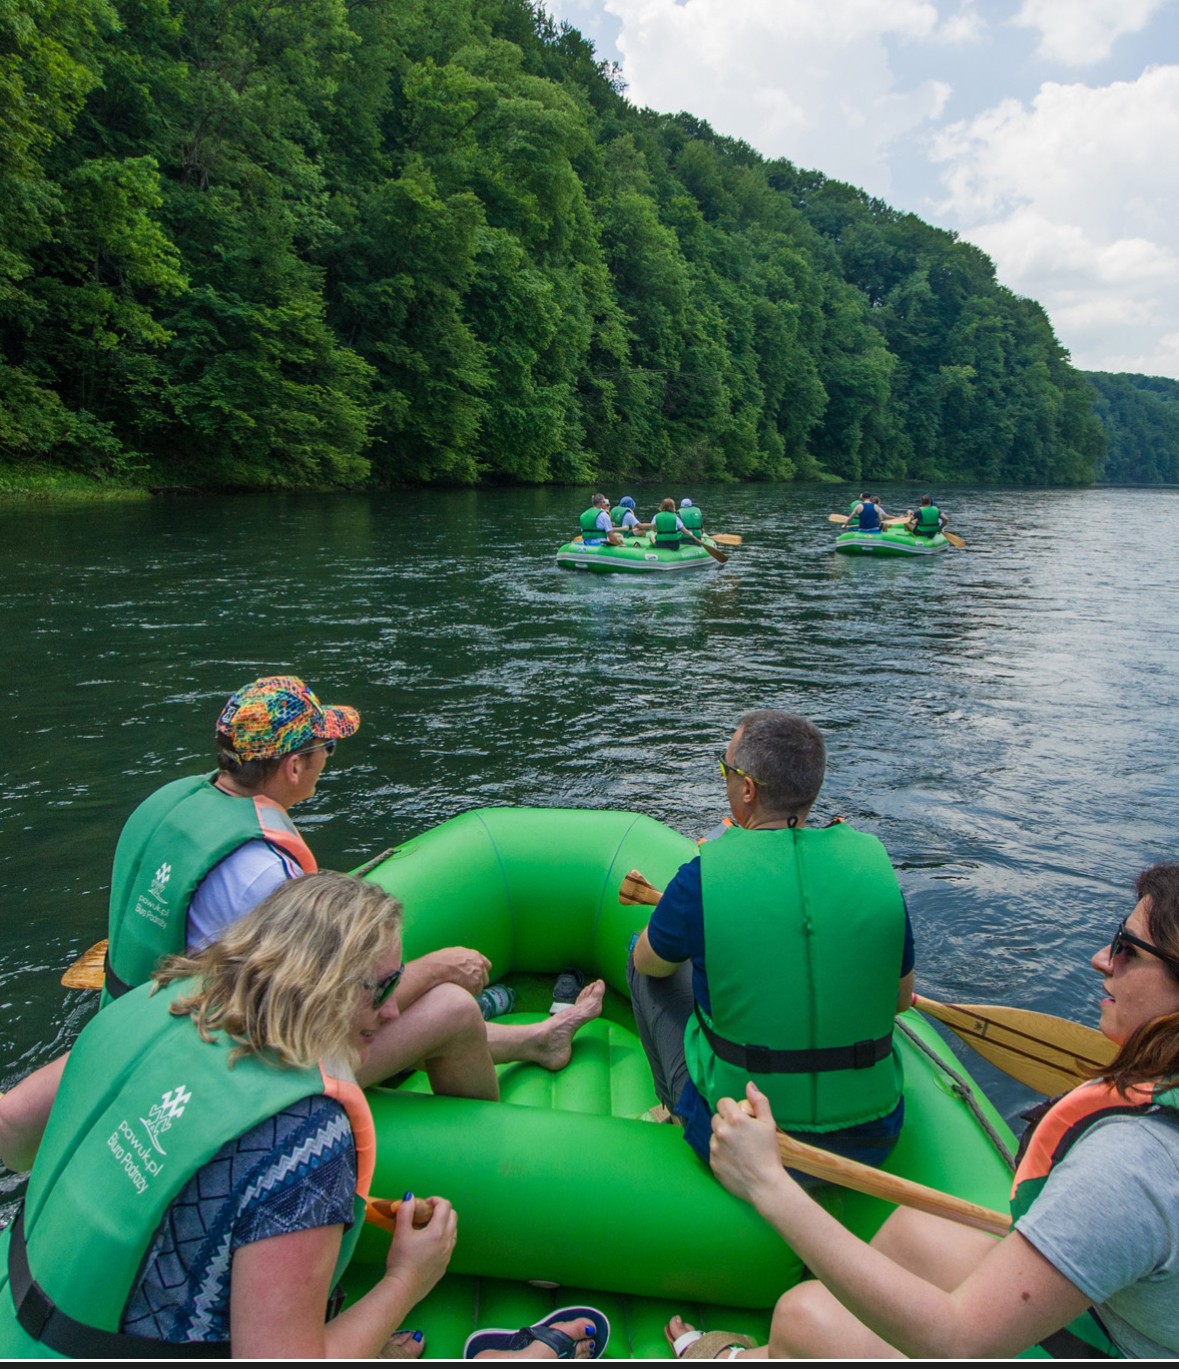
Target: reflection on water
{"type": "Point", "coordinates": [1003, 718]}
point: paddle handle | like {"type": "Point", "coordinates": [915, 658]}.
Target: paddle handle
{"type": "Point", "coordinates": [635, 888]}
{"type": "Point", "coordinates": [382, 1212]}
{"type": "Point", "coordinates": [837, 1169]}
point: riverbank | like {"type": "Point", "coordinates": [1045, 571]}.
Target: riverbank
{"type": "Point", "coordinates": [53, 483]}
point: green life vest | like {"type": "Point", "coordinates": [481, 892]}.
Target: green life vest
{"type": "Point", "coordinates": [853, 518]}
{"type": "Point", "coordinates": [928, 521]}
{"type": "Point", "coordinates": [667, 532]}
{"type": "Point", "coordinates": [144, 1102]}
{"type": "Point", "coordinates": [692, 519]}
{"type": "Point", "coordinates": [804, 933]}
{"type": "Point", "coordinates": [589, 524]}
{"type": "Point", "coordinates": [170, 843]}
{"type": "Point", "coordinates": [616, 514]}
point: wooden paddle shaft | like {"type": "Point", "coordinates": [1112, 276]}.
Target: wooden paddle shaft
{"type": "Point", "coordinates": [837, 1169]}
{"type": "Point", "coordinates": [637, 889]}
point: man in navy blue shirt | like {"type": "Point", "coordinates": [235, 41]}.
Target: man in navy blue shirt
{"type": "Point", "coordinates": [768, 958]}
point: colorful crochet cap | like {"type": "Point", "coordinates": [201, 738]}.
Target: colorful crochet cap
{"type": "Point", "coordinates": [277, 715]}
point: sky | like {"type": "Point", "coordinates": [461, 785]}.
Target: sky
{"type": "Point", "coordinates": [1044, 131]}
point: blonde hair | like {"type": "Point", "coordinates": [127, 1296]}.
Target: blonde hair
{"type": "Point", "coordinates": [284, 980]}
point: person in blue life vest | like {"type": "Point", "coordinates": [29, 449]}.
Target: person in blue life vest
{"type": "Point", "coordinates": [202, 851]}
{"type": "Point", "coordinates": [729, 979]}
{"type": "Point", "coordinates": [927, 520]}
{"type": "Point", "coordinates": [219, 1212]}
{"type": "Point", "coordinates": [623, 515]}
{"type": "Point", "coordinates": [867, 515]}
{"type": "Point", "coordinates": [596, 525]}
{"type": "Point", "coordinates": [1090, 1269]}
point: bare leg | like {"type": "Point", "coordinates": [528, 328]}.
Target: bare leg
{"type": "Point", "coordinates": [24, 1111]}
{"type": "Point", "coordinates": [444, 1032]}
{"type": "Point", "coordinates": [811, 1323]}
{"type": "Point", "coordinates": [548, 1043]}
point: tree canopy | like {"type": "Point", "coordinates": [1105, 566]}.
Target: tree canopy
{"type": "Point", "coordinates": [265, 243]}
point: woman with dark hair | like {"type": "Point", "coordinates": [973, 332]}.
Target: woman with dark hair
{"type": "Point", "coordinates": [1095, 1204]}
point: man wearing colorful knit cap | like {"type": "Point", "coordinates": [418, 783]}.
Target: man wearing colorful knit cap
{"type": "Point", "coordinates": [199, 854]}
{"type": "Point", "coordinates": [277, 715]}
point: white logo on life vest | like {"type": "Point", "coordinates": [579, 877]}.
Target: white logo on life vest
{"type": "Point", "coordinates": [136, 1157]}
{"type": "Point", "coordinates": [160, 883]}
{"type": "Point", "coordinates": [165, 1112]}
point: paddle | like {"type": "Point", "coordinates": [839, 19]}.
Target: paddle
{"type": "Point", "coordinates": [714, 552]}
{"type": "Point", "coordinates": [838, 518]}
{"type": "Point", "coordinates": [1048, 1054]}
{"type": "Point", "coordinates": [87, 971]}
{"type": "Point", "coordinates": [953, 538]}
{"type": "Point", "coordinates": [726, 539]}
{"type": "Point", "coordinates": [835, 1169]}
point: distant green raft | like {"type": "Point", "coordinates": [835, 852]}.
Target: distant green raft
{"type": "Point", "coordinates": [564, 1196]}
{"type": "Point", "coordinates": [637, 555]}
{"type": "Point", "coordinates": [895, 541]}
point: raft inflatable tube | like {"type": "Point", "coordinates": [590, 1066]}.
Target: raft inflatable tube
{"type": "Point", "coordinates": [560, 1183]}
{"type": "Point", "coordinates": [637, 555]}
{"type": "Point", "coordinates": [895, 541]}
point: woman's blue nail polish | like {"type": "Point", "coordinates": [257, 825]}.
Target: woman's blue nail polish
{"type": "Point", "coordinates": [417, 1335]}
{"type": "Point", "coordinates": [590, 1329]}
{"type": "Point", "coordinates": [407, 1197]}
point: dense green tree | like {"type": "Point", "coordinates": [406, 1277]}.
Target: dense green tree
{"type": "Point", "coordinates": [288, 242]}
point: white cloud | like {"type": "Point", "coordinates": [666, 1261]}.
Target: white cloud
{"type": "Point", "coordinates": [805, 79]}
{"type": "Point", "coordinates": [1083, 32]}
{"type": "Point", "coordinates": [1073, 201]}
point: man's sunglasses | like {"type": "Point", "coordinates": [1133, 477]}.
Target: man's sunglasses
{"type": "Point", "coordinates": [1122, 940]}
{"type": "Point", "coordinates": [328, 746]}
{"type": "Point", "coordinates": [727, 768]}
{"type": "Point", "coordinates": [383, 989]}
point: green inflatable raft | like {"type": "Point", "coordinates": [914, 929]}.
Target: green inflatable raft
{"type": "Point", "coordinates": [894, 541]}
{"type": "Point", "coordinates": [565, 1195]}
{"type": "Point", "coordinates": [637, 555]}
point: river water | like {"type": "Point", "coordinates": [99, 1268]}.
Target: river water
{"type": "Point", "coordinates": [1003, 717]}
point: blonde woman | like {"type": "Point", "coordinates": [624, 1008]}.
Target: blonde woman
{"type": "Point", "coordinates": [1091, 1267]}
{"type": "Point", "coordinates": [200, 1176]}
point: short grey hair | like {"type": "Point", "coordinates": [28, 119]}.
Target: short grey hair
{"type": "Point", "coordinates": [786, 753]}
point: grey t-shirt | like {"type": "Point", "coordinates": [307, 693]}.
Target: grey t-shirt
{"type": "Point", "coordinates": [1108, 1220]}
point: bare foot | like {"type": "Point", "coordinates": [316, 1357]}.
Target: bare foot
{"type": "Point", "coordinates": [548, 1043]}
{"type": "Point", "coordinates": [578, 1330]}
{"type": "Point", "coordinates": [403, 1345]}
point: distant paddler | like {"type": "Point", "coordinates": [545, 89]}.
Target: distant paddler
{"type": "Point", "coordinates": [597, 527]}
{"type": "Point", "coordinates": [691, 518]}
{"type": "Point", "coordinates": [927, 520]}
{"type": "Point", "coordinates": [623, 515]}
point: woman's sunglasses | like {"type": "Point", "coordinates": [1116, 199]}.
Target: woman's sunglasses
{"type": "Point", "coordinates": [1123, 940]}
{"type": "Point", "coordinates": [383, 989]}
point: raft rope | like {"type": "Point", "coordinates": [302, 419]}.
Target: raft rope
{"type": "Point", "coordinates": [962, 1087]}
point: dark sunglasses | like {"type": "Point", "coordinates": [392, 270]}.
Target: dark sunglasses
{"type": "Point", "coordinates": [1123, 940]}
{"type": "Point", "coordinates": [329, 747]}
{"type": "Point", "coordinates": [383, 989]}
{"type": "Point", "coordinates": [727, 768]}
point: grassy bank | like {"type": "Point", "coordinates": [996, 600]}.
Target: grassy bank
{"type": "Point", "coordinates": [45, 482]}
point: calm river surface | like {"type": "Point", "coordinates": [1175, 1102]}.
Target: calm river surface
{"type": "Point", "coordinates": [1003, 718]}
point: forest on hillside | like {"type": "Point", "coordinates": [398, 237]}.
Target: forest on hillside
{"type": "Point", "coordinates": [1140, 415]}
{"type": "Point", "coordinates": [265, 243]}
